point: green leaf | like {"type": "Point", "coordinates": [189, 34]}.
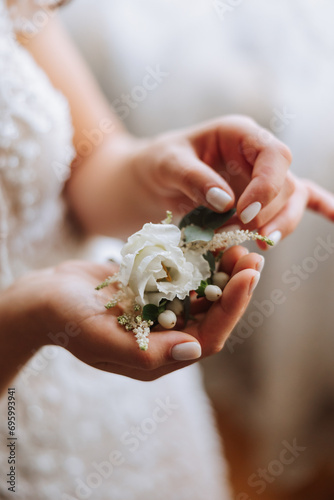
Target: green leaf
{"type": "Point", "coordinates": [162, 306]}
{"type": "Point", "coordinates": [201, 289]}
{"type": "Point", "coordinates": [211, 260]}
{"type": "Point", "coordinates": [219, 256]}
{"type": "Point", "coordinates": [196, 233]}
{"type": "Point", "coordinates": [150, 312]}
{"type": "Point", "coordinates": [206, 218]}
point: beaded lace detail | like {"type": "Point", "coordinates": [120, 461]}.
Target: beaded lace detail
{"type": "Point", "coordinates": [35, 154]}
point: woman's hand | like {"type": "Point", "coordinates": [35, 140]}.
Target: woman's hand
{"type": "Point", "coordinates": [226, 162]}
{"type": "Point", "coordinates": [230, 161]}
{"type": "Point", "coordinates": [102, 343]}
{"type": "Point", "coordinates": [61, 306]}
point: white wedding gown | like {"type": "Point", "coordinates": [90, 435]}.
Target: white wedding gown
{"type": "Point", "coordinates": [82, 433]}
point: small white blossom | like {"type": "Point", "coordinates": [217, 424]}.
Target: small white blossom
{"type": "Point", "coordinates": [142, 332]}
{"type": "Point", "coordinates": [221, 241]}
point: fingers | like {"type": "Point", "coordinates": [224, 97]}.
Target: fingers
{"type": "Point", "coordinates": [268, 178]}
{"type": "Point", "coordinates": [198, 182]}
{"type": "Point", "coordinates": [253, 161]}
{"type": "Point", "coordinates": [221, 318]}
{"type": "Point", "coordinates": [286, 221]}
{"type": "Point", "coordinates": [250, 261]}
{"type": "Point", "coordinates": [234, 260]}
{"type": "Point", "coordinates": [307, 195]}
{"type": "Point", "coordinates": [110, 344]}
{"type": "Point", "coordinates": [230, 258]}
{"type": "Point", "coordinates": [319, 199]}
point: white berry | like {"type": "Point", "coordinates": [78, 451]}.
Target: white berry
{"type": "Point", "coordinates": [167, 319]}
{"type": "Point", "coordinates": [220, 279]}
{"type": "Point", "coordinates": [176, 306]}
{"type": "Point", "coordinates": [213, 292]}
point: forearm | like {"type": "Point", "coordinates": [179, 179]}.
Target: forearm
{"type": "Point", "coordinates": [19, 338]}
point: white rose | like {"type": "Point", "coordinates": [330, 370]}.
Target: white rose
{"type": "Point", "coordinates": [155, 268]}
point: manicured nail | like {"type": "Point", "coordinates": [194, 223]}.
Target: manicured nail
{"type": "Point", "coordinates": [254, 282]}
{"type": "Point", "coordinates": [231, 227]}
{"type": "Point", "coordinates": [275, 236]}
{"type": "Point", "coordinates": [186, 351]}
{"type": "Point", "coordinates": [218, 198]}
{"type": "Point", "coordinates": [260, 264]}
{"type": "Point", "coordinates": [250, 212]}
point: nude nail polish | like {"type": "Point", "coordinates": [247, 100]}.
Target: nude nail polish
{"type": "Point", "coordinates": [218, 198]}
{"type": "Point", "coordinates": [254, 282]}
{"type": "Point", "coordinates": [275, 236]}
{"type": "Point", "coordinates": [250, 212]}
{"type": "Point", "coordinates": [260, 264]}
{"type": "Point", "coordinates": [186, 351]}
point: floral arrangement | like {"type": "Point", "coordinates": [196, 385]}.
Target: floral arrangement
{"type": "Point", "coordinates": [162, 264]}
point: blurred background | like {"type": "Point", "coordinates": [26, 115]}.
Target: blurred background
{"type": "Point", "coordinates": [166, 64]}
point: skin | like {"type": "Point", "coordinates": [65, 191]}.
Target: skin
{"type": "Point", "coordinates": [99, 340]}
{"type": "Point", "coordinates": [116, 189]}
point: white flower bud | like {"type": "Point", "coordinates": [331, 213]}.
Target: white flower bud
{"type": "Point", "coordinates": [220, 279]}
{"type": "Point", "coordinates": [213, 292]}
{"type": "Point", "coordinates": [167, 319]}
{"type": "Point", "coordinates": [176, 306]}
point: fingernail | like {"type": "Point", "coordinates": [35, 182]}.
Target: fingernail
{"type": "Point", "coordinates": [186, 351]}
{"type": "Point", "coordinates": [250, 212]}
{"type": "Point", "coordinates": [231, 227]}
{"type": "Point", "coordinates": [218, 198]}
{"type": "Point", "coordinates": [275, 236]}
{"type": "Point", "coordinates": [260, 264]}
{"type": "Point", "coordinates": [254, 282]}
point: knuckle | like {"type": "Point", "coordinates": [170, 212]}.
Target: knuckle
{"type": "Point", "coordinates": [248, 121]}
{"type": "Point", "coordinates": [285, 151]}
{"type": "Point", "coordinates": [216, 348]}
{"type": "Point", "coordinates": [66, 267]}
{"type": "Point", "coordinates": [270, 187]}
{"type": "Point", "coordinates": [290, 185]}
{"type": "Point", "coordinates": [243, 119]}
{"type": "Point", "coordinates": [170, 164]}
{"type": "Point", "coordinates": [213, 348]}
{"type": "Point", "coordinates": [147, 362]}
{"type": "Point", "coordinates": [188, 176]}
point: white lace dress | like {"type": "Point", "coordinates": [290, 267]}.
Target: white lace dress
{"type": "Point", "coordinates": [82, 433]}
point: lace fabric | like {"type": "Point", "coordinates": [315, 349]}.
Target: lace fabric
{"type": "Point", "coordinates": [35, 154]}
